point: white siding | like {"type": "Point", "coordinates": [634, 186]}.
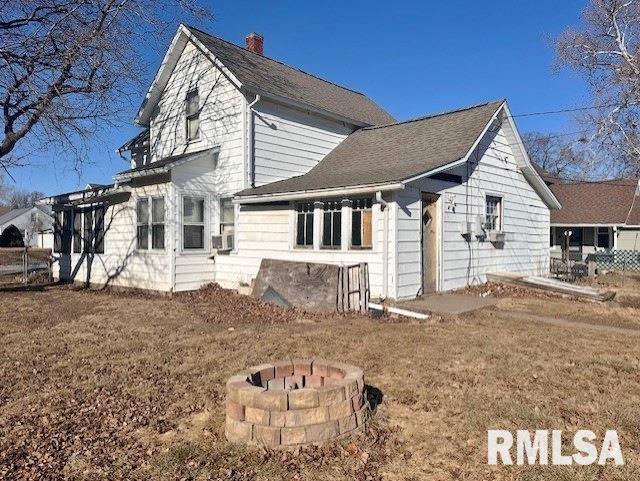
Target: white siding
{"type": "Point", "coordinates": [492, 170]}
{"type": "Point", "coordinates": [121, 264]}
{"type": "Point", "coordinates": [220, 115]}
{"type": "Point", "coordinates": [290, 142]}
{"type": "Point", "coordinates": [267, 232]}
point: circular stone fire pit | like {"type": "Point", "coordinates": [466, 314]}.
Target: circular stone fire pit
{"type": "Point", "coordinates": [293, 403]}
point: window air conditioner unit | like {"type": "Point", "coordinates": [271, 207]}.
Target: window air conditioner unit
{"type": "Point", "coordinates": [496, 236]}
{"type": "Point", "coordinates": [221, 243]}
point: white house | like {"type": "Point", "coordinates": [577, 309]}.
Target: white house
{"type": "Point", "coordinates": [34, 223]}
{"type": "Point", "coordinates": [245, 158]}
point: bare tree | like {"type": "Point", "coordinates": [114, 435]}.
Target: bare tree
{"type": "Point", "coordinates": [70, 67]}
{"type": "Point", "coordinates": [561, 157]}
{"type": "Point", "coordinates": [17, 199]}
{"type": "Point", "coordinates": [606, 50]}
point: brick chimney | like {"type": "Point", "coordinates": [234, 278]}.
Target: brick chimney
{"type": "Point", "coordinates": [255, 43]}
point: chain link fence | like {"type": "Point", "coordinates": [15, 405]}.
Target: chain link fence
{"type": "Point", "coordinates": [25, 265]}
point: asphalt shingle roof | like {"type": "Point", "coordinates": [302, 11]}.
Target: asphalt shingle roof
{"type": "Point", "coordinates": [612, 202]}
{"type": "Point", "coordinates": [394, 152]}
{"type": "Point", "coordinates": [270, 76]}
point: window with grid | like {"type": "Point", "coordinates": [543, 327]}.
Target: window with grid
{"type": "Point", "coordinates": [193, 223]}
{"type": "Point", "coordinates": [304, 224]}
{"type": "Point", "coordinates": [150, 223]}
{"type": "Point", "coordinates": [603, 237]}
{"type": "Point", "coordinates": [157, 223]}
{"type": "Point", "coordinates": [142, 232]}
{"type": "Point", "coordinates": [227, 219]}
{"type": "Point", "coordinates": [193, 115]}
{"type": "Point", "coordinates": [332, 224]}
{"type": "Point", "coordinates": [361, 228]}
{"type": "Point", "coordinates": [493, 213]}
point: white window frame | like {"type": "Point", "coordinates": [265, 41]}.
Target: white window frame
{"type": "Point", "coordinates": [189, 116]}
{"type": "Point", "coordinates": [339, 209]}
{"type": "Point", "coordinates": [205, 210]}
{"type": "Point", "coordinates": [150, 223]}
{"type": "Point", "coordinates": [499, 215]}
{"type": "Point", "coordinates": [353, 209]}
{"type": "Point", "coordinates": [312, 212]}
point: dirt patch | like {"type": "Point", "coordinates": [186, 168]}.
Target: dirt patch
{"type": "Point", "coordinates": [496, 289]}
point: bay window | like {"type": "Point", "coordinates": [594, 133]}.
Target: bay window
{"type": "Point", "coordinates": [192, 223]}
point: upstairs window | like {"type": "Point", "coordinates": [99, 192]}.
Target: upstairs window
{"type": "Point", "coordinates": [304, 224]}
{"type": "Point", "coordinates": [332, 225]}
{"type": "Point", "coordinates": [493, 213]}
{"type": "Point", "coordinates": [193, 115]}
{"type": "Point", "coordinates": [193, 223]}
{"type": "Point", "coordinates": [361, 228]}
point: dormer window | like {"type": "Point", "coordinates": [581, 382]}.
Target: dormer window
{"type": "Point", "coordinates": [193, 115]}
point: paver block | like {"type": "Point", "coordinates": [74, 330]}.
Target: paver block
{"type": "Point", "coordinates": [271, 400]}
{"type": "Point", "coordinates": [267, 436]}
{"type": "Point", "coordinates": [341, 409]}
{"type": "Point", "coordinates": [357, 402]}
{"type": "Point", "coordinates": [330, 395]}
{"type": "Point", "coordinates": [256, 416]}
{"type": "Point", "coordinates": [235, 410]}
{"type": "Point", "coordinates": [361, 415]}
{"type": "Point", "coordinates": [293, 382]}
{"type": "Point", "coordinates": [302, 367]}
{"type": "Point", "coordinates": [320, 367]}
{"type": "Point", "coordinates": [303, 417]}
{"type": "Point", "coordinates": [249, 395]}
{"type": "Point", "coordinates": [347, 424]}
{"type": "Point", "coordinates": [238, 431]}
{"type": "Point", "coordinates": [284, 368]}
{"type": "Point", "coordinates": [322, 432]}
{"type": "Point", "coordinates": [274, 384]}
{"type": "Point", "coordinates": [289, 436]}
{"type": "Point", "coordinates": [277, 418]}
{"type": "Point", "coordinates": [303, 399]}
{"type": "Point", "coordinates": [313, 381]}
{"type": "Point", "coordinates": [350, 387]}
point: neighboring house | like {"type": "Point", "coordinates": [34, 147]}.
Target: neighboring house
{"type": "Point", "coordinates": [244, 158]}
{"type": "Point", "coordinates": [595, 216]}
{"type": "Point", "coordinates": [34, 223]}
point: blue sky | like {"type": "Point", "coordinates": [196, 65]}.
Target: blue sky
{"type": "Point", "coordinates": [412, 57]}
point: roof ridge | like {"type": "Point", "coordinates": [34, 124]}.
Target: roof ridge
{"type": "Point", "coordinates": [438, 114]}
{"type": "Point", "coordinates": [616, 182]}
{"type": "Point", "coordinates": [277, 61]}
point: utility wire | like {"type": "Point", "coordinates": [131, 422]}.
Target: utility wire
{"type": "Point", "coordinates": [562, 111]}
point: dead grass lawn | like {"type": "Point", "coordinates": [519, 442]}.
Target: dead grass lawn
{"type": "Point", "coordinates": [112, 386]}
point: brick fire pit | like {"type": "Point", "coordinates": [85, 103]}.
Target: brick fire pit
{"type": "Point", "coordinates": [294, 403]}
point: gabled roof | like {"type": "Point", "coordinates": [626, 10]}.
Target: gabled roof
{"type": "Point", "coordinates": [609, 202]}
{"type": "Point", "coordinates": [393, 152]}
{"type": "Point", "coordinates": [15, 213]}
{"type": "Point", "coordinates": [265, 76]}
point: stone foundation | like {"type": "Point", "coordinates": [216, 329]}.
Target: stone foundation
{"type": "Point", "coordinates": [291, 403]}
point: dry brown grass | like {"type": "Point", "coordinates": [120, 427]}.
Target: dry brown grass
{"type": "Point", "coordinates": [110, 386]}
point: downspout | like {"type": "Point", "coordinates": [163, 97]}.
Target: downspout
{"type": "Point", "coordinates": [385, 244]}
{"type": "Point", "coordinates": [251, 181]}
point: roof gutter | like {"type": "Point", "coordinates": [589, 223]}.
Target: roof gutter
{"type": "Point", "coordinates": [314, 194]}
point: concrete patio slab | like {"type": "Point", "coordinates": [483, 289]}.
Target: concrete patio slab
{"type": "Point", "coordinates": [447, 303]}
